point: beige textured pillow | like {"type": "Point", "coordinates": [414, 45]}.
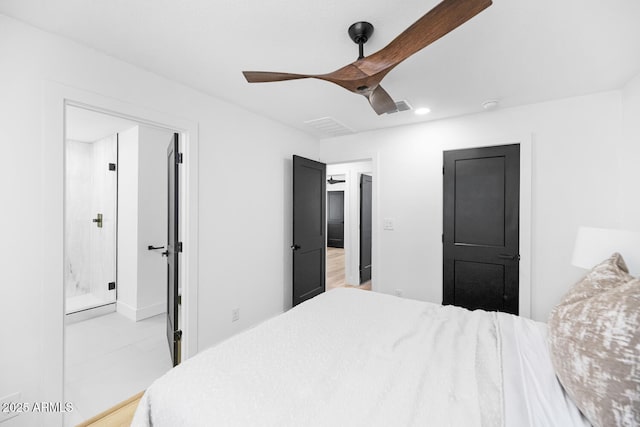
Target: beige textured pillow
{"type": "Point", "coordinates": [608, 274]}
{"type": "Point", "coordinates": [594, 336]}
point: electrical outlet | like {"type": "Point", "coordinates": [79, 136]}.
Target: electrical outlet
{"type": "Point", "coordinates": [13, 406]}
{"type": "Point", "coordinates": [398, 292]}
{"type": "Point", "coordinates": [387, 224]}
{"type": "Point", "coordinates": [235, 314]}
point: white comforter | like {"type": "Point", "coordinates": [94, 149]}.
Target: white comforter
{"type": "Point", "coordinates": [352, 358]}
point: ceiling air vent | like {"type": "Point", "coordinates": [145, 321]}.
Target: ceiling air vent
{"type": "Point", "coordinates": [401, 106]}
{"type": "Point", "coordinates": [329, 127]}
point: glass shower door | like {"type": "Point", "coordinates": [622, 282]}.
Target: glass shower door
{"type": "Point", "coordinates": [91, 223]}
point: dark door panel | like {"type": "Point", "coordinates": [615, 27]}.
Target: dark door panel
{"type": "Point", "coordinates": [479, 201]}
{"type": "Point", "coordinates": [479, 285]}
{"type": "Point", "coordinates": [173, 249]}
{"type": "Point", "coordinates": [308, 273]}
{"type": "Point", "coordinates": [366, 194]}
{"type": "Point", "coordinates": [481, 228]}
{"type": "Point", "coordinates": [335, 219]}
{"type": "Point", "coordinates": [309, 225]}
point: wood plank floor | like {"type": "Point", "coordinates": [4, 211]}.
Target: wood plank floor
{"type": "Point", "coordinates": [120, 415]}
{"type": "Point", "coordinates": [335, 271]}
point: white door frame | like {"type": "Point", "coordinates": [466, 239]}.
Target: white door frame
{"type": "Point", "coordinates": [56, 97]}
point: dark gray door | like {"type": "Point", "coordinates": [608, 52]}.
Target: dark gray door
{"type": "Point", "coordinates": [174, 247]}
{"type": "Point", "coordinates": [481, 228]}
{"type": "Point", "coordinates": [366, 183]}
{"type": "Point", "coordinates": [335, 220]}
{"type": "Point", "coordinates": [309, 224]}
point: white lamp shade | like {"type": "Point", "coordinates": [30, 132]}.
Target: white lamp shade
{"type": "Point", "coordinates": [594, 245]}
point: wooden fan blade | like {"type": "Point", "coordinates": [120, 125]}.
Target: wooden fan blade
{"type": "Point", "coordinates": [439, 21]}
{"type": "Point", "coordinates": [381, 101]}
{"type": "Point", "coordinates": [366, 73]}
{"type": "Point", "coordinates": [266, 76]}
{"type": "Point", "coordinates": [349, 77]}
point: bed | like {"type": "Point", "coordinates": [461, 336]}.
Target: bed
{"type": "Point", "coordinates": [358, 358]}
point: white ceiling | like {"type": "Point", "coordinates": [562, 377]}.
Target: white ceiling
{"type": "Point", "coordinates": [517, 51]}
{"type": "Point", "coordinates": [90, 126]}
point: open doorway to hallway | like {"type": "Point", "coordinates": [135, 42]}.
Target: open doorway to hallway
{"type": "Point", "coordinates": [115, 270]}
{"type": "Point", "coordinates": [349, 213]}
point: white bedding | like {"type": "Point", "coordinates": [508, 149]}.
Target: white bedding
{"type": "Point", "coordinates": [356, 358]}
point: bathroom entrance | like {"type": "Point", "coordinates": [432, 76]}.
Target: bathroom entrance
{"type": "Point", "coordinates": [120, 255]}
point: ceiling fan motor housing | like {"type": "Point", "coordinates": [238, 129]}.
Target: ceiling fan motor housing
{"type": "Point", "coordinates": [360, 32]}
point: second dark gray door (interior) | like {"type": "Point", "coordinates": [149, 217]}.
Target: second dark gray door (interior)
{"type": "Point", "coordinates": [309, 225]}
{"type": "Point", "coordinates": [174, 247]}
{"type": "Point", "coordinates": [335, 219]}
{"type": "Point", "coordinates": [481, 228]}
{"type": "Point", "coordinates": [366, 194]}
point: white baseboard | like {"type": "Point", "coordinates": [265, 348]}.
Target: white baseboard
{"type": "Point", "coordinates": [79, 316]}
{"type": "Point", "coordinates": [137, 314]}
{"type": "Point", "coordinates": [126, 310]}
{"type": "Point", "coordinates": [151, 310]}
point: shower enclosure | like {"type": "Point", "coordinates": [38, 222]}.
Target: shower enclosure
{"type": "Point", "coordinates": [91, 185]}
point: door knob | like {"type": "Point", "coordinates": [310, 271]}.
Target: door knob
{"type": "Point", "coordinates": [295, 247]}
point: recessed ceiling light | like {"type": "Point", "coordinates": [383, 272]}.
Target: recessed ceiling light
{"type": "Point", "coordinates": [422, 111]}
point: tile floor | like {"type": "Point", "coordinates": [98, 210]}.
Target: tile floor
{"type": "Point", "coordinates": [109, 359]}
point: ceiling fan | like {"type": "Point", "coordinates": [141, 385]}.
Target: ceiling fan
{"type": "Point", "coordinates": [364, 75]}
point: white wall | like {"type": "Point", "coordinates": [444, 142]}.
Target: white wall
{"type": "Point", "coordinates": [128, 242]}
{"type": "Point", "coordinates": [351, 172]}
{"type": "Point", "coordinates": [142, 210]}
{"type": "Point", "coordinates": [629, 155]}
{"type": "Point", "coordinates": [152, 220]}
{"type": "Point", "coordinates": [575, 174]}
{"type": "Point", "coordinates": [245, 214]}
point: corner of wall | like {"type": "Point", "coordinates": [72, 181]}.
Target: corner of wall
{"type": "Point", "coordinates": [629, 155]}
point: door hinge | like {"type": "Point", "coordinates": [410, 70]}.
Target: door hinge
{"type": "Point", "coordinates": [177, 335]}
{"type": "Point", "coordinates": [179, 158]}
{"type": "Point", "coordinates": [442, 169]}
{"type": "Point", "coordinates": [179, 247]}
{"type": "Point", "coordinates": [442, 237]}
{"type": "Point", "coordinates": [112, 285]}
{"type": "Point", "coordinates": [112, 166]}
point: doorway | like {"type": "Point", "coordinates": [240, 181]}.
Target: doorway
{"type": "Point", "coordinates": [349, 209]}
{"type": "Point", "coordinates": [310, 251]}
{"type": "Point", "coordinates": [57, 97]}
{"type": "Point", "coordinates": [115, 243]}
